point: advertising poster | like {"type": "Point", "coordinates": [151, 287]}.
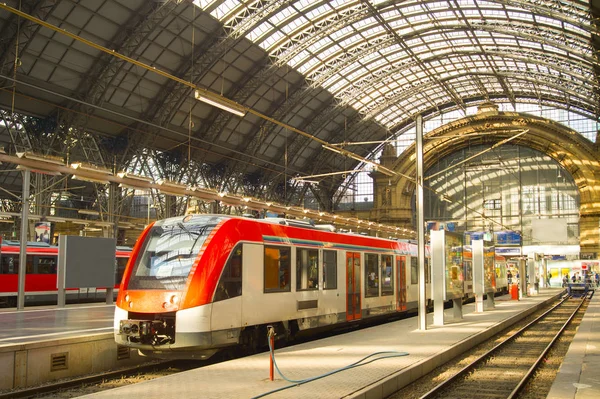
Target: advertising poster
{"type": "Point", "coordinates": [454, 266]}
{"type": "Point", "coordinates": [42, 232]}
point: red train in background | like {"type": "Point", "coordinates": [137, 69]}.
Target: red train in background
{"type": "Point", "coordinates": [40, 278]}
{"type": "Point", "coordinates": [200, 283]}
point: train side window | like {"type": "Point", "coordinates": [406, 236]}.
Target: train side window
{"type": "Point", "coordinates": [277, 269]}
{"type": "Point", "coordinates": [230, 283]}
{"type": "Point", "coordinates": [414, 270]}
{"type": "Point", "coordinates": [46, 265]}
{"type": "Point", "coordinates": [387, 275]}
{"type": "Point", "coordinates": [10, 264]}
{"type": "Point", "coordinates": [307, 269]}
{"type": "Point", "coordinates": [372, 277]}
{"type": "Point", "coordinates": [121, 264]}
{"type": "Point", "coordinates": [30, 269]}
{"type": "Point", "coordinates": [329, 270]}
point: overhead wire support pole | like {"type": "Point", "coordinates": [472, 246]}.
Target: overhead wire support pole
{"type": "Point", "coordinates": [24, 231]}
{"type": "Point", "coordinates": [422, 308]}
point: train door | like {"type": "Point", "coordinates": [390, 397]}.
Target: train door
{"type": "Point", "coordinates": [352, 286]}
{"type": "Point", "coordinates": [401, 283]}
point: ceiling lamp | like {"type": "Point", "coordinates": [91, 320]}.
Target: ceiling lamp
{"type": "Point", "coordinates": [220, 102]}
{"type": "Point", "coordinates": [90, 168]}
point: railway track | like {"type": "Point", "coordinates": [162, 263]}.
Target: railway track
{"type": "Point", "coordinates": [504, 370]}
{"type": "Point", "coordinates": [70, 387]}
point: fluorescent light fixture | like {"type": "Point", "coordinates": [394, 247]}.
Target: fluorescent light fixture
{"type": "Point", "coordinates": [88, 212]}
{"type": "Point", "coordinates": [127, 175]}
{"type": "Point", "coordinates": [171, 188]}
{"type": "Point", "coordinates": [43, 158]}
{"type": "Point", "coordinates": [445, 198]}
{"type": "Point", "coordinates": [90, 168]}
{"type": "Point", "coordinates": [220, 102]}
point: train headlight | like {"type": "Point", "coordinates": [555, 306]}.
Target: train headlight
{"type": "Point", "coordinates": [174, 299]}
{"type": "Point", "coordinates": [130, 304]}
{"type": "Point", "coordinates": [127, 298]}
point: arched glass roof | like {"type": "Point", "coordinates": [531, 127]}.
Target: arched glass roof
{"type": "Point", "coordinates": [312, 73]}
{"type": "Point", "coordinates": [392, 60]}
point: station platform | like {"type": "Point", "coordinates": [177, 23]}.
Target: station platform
{"type": "Point", "coordinates": [426, 349]}
{"type": "Point", "coordinates": [43, 344]}
{"type": "Point", "coordinates": [49, 322]}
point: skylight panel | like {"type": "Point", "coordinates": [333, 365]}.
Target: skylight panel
{"type": "Point", "coordinates": [335, 49]}
{"type": "Point", "coordinates": [345, 31]}
{"type": "Point", "coordinates": [549, 21]}
{"type": "Point", "coordinates": [319, 12]}
{"type": "Point", "coordinates": [301, 56]}
{"type": "Point", "coordinates": [319, 45]}
{"type": "Point", "coordinates": [223, 10]}
{"type": "Point", "coordinates": [360, 71]}
{"type": "Point", "coordinates": [259, 31]}
{"type": "Point", "coordinates": [283, 15]}
{"type": "Point", "coordinates": [350, 41]}
{"type": "Point", "coordinates": [576, 29]}
{"type": "Point", "coordinates": [292, 25]}
{"type": "Point", "coordinates": [334, 83]}
{"type": "Point", "coordinates": [302, 4]}
{"type": "Point", "coordinates": [271, 40]}
{"type": "Point", "coordinates": [310, 64]}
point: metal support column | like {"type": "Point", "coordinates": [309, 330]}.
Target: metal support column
{"type": "Point", "coordinates": [24, 232]}
{"type": "Point", "coordinates": [422, 323]}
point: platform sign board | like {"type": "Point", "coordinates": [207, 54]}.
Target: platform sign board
{"type": "Point", "coordinates": [89, 262]}
{"type": "Point", "coordinates": [508, 238]}
{"type": "Point", "coordinates": [447, 260]}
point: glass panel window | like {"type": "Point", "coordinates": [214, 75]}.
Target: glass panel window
{"type": "Point", "coordinates": [371, 276]}
{"type": "Point", "coordinates": [121, 263]}
{"type": "Point", "coordinates": [230, 284]}
{"type": "Point", "coordinates": [307, 269]}
{"type": "Point", "coordinates": [387, 275]}
{"type": "Point", "coordinates": [277, 269]}
{"type": "Point", "coordinates": [414, 270]}
{"type": "Point", "coordinates": [169, 252]}
{"type": "Point", "coordinates": [46, 265]}
{"type": "Point", "coordinates": [329, 270]}
{"type": "Point", "coordinates": [29, 268]}
{"type": "Point", "coordinates": [10, 264]}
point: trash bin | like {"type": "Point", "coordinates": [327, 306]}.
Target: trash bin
{"type": "Point", "coordinates": [514, 292]}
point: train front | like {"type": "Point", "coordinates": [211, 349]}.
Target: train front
{"type": "Point", "coordinates": [159, 311]}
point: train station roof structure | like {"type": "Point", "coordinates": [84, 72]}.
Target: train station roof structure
{"type": "Point", "coordinates": [244, 96]}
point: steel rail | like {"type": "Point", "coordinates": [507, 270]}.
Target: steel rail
{"type": "Point", "coordinates": [535, 365]}
{"type": "Point", "coordinates": [470, 367]}
{"type": "Point", "coordinates": [53, 387]}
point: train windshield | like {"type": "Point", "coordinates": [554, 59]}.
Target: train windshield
{"type": "Point", "coordinates": [169, 252]}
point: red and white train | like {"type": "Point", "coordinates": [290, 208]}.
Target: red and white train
{"type": "Point", "coordinates": [200, 283]}
{"type": "Point", "coordinates": [40, 278]}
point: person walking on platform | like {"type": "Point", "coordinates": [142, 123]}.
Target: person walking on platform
{"type": "Point", "coordinates": [548, 277]}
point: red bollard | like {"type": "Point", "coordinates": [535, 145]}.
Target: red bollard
{"type": "Point", "coordinates": [514, 292]}
{"type": "Point", "coordinates": [271, 335]}
{"type": "Point", "coordinates": [272, 338]}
